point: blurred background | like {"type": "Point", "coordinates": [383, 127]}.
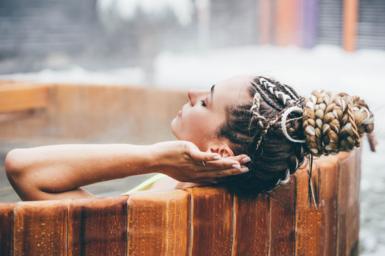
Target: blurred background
{"type": "Point", "coordinates": [335, 45]}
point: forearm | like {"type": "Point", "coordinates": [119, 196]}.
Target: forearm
{"type": "Point", "coordinates": [29, 192]}
{"type": "Point", "coordinates": [60, 168]}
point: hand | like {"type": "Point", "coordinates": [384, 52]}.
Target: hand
{"type": "Point", "coordinates": [182, 160]}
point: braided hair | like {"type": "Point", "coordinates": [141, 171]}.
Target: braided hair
{"type": "Point", "coordinates": [278, 129]}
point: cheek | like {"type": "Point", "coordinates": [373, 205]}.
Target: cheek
{"type": "Point", "coordinates": [193, 126]}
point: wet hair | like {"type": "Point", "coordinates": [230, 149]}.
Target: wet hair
{"type": "Point", "coordinates": [326, 124]}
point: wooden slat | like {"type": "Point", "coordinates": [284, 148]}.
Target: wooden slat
{"type": "Point", "coordinates": [282, 208]}
{"type": "Point", "coordinates": [16, 97]}
{"type": "Point", "coordinates": [342, 208]}
{"type": "Point", "coordinates": [97, 226]}
{"type": "Point", "coordinates": [158, 223]}
{"type": "Point", "coordinates": [309, 225]}
{"type": "Point", "coordinates": [328, 201]}
{"type": "Point", "coordinates": [252, 234]}
{"type": "Point", "coordinates": [40, 228]}
{"type": "Point", "coordinates": [348, 205]}
{"type": "Point", "coordinates": [354, 248]}
{"type": "Point", "coordinates": [6, 228]}
{"type": "Point", "coordinates": [212, 221]}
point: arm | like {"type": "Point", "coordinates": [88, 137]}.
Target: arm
{"type": "Point", "coordinates": [57, 171]}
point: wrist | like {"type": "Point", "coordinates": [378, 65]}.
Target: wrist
{"type": "Point", "coordinates": [165, 154]}
{"type": "Point", "coordinates": [156, 158]}
{"type": "Point", "coordinates": [140, 159]}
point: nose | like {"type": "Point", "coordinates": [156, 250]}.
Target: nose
{"type": "Point", "coordinates": [193, 95]}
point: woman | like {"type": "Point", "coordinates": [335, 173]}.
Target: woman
{"type": "Point", "coordinates": [248, 133]}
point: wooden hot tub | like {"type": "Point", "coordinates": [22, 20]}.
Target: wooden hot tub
{"type": "Point", "coordinates": [194, 221]}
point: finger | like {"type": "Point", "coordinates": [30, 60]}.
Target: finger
{"type": "Point", "coordinates": [243, 158]}
{"type": "Point", "coordinates": [223, 173]}
{"type": "Point", "coordinates": [233, 171]}
{"type": "Point", "coordinates": [205, 156]}
{"type": "Point", "coordinates": [224, 163]}
{"type": "Point", "coordinates": [240, 159]}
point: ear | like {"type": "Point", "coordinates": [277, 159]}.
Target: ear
{"type": "Point", "coordinates": [222, 149]}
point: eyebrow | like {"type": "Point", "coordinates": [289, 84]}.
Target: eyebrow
{"type": "Point", "coordinates": [212, 93]}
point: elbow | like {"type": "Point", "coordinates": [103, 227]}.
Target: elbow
{"type": "Point", "coordinates": [15, 170]}
{"type": "Point", "coordinates": [13, 162]}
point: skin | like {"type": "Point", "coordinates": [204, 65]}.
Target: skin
{"type": "Point", "coordinates": [59, 171]}
{"type": "Point", "coordinates": [203, 114]}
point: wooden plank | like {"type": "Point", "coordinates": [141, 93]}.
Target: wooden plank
{"type": "Point", "coordinates": [343, 193]}
{"type": "Point", "coordinates": [252, 234]}
{"type": "Point", "coordinates": [348, 204]}
{"type": "Point", "coordinates": [16, 97]}
{"type": "Point", "coordinates": [97, 226]}
{"type": "Point", "coordinates": [40, 228]}
{"type": "Point", "coordinates": [212, 221]}
{"type": "Point", "coordinates": [282, 208]}
{"type": "Point", "coordinates": [158, 223]}
{"type": "Point", "coordinates": [309, 223]}
{"type": "Point", "coordinates": [6, 228]}
{"type": "Point", "coordinates": [350, 20]}
{"type": "Point", "coordinates": [354, 238]}
{"type": "Point", "coordinates": [328, 200]}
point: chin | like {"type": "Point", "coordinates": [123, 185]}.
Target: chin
{"type": "Point", "coordinates": [173, 127]}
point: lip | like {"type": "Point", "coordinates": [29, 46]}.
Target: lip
{"type": "Point", "coordinates": [180, 112]}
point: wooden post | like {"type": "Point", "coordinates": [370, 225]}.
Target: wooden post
{"type": "Point", "coordinates": [350, 24]}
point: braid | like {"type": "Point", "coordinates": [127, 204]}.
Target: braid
{"type": "Point", "coordinates": [278, 129]}
{"type": "Point", "coordinates": [265, 96]}
{"type": "Point", "coordinates": [278, 91]}
{"type": "Point", "coordinates": [289, 90]}
{"type": "Point", "coordinates": [254, 129]}
{"type": "Point", "coordinates": [335, 122]}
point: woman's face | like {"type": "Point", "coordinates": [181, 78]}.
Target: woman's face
{"type": "Point", "coordinates": [200, 118]}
